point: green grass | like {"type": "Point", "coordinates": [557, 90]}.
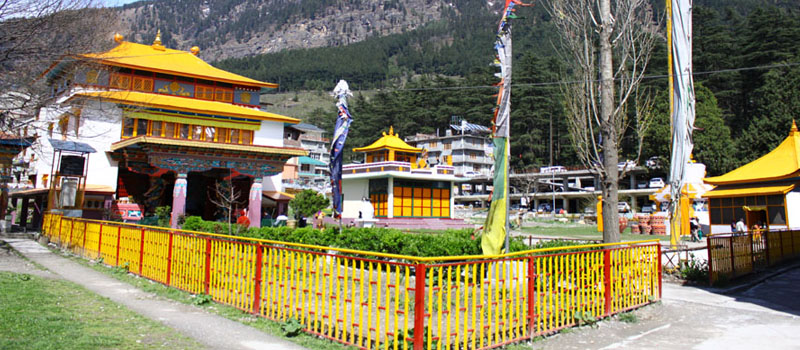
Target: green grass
{"type": "Point", "coordinates": [39, 313]}
{"type": "Point", "coordinates": [231, 313]}
{"type": "Point", "coordinates": [588, 232]}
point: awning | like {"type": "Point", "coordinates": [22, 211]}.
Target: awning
{"type": "Point", "coordinates": [470, 127]}
{"type": "Point", "coordinates": [748, 191]}
{"type": "Point", "coordinates": [71, 146]}
{"type": "Point", "coordinates": [178, 103]}
{"type": "Point", "coordinates": [311, 161]}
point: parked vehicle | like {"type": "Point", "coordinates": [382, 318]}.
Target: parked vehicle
{"type": "Point", "coordinates": [544, 208]}
{"type": "Point", "coordinates": [626, 165]}
{"type": "Point", "coordinates": [653, 162]}
{"type": "Point", "coordinates": [552, 169]}
{"type": "Point", "coordinates": [623, 207]}
{"type": "Point", "coordinates": [656, 182]}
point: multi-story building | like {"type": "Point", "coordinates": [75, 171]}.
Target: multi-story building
{"type": "Point", "coordinates": [166, 128]}
{"type": "Point", "coordinates": [467, 146]}
{"type": "Point", "coordinates": [312, 170]}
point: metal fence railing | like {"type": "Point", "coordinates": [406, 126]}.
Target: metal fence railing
{"type": "Point", "coordinates": [735, 255]}
{"type": "Point", "coordinates": [382, 301]}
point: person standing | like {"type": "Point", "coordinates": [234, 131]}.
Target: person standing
{"type": "Point", "coordinates": [740, 226]}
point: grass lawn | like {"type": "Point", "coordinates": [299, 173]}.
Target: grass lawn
{"type": "Point", "coordinates": [583, 232]}
{"type": "Point", "coordinates": [39, 313]}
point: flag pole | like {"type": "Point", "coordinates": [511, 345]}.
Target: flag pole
{"type": "Point", "coordinates": [343, 120]}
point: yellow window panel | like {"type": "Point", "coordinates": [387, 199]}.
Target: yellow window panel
{"type": "Point", "coordinates": [417, 192]}
{"type": "Point", "coordinates": [426, 192]}
{"type": "Point", "coordinates": [437, 212]}
{"type": "Point", "coordinates": [417, 211]}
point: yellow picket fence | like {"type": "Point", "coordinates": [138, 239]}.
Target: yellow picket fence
{"type": "Point", "coordinates": [382, 301]}
{"type": "Point", "coordinates": [734, 255]}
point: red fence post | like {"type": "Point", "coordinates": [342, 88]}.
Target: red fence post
{"type": "Point", "coordinates": [660, 278]}
{"type": "Point", "coordinates": [119, 238]}
{"type": "Point", "coordinates": [83, 245]}
{"type": "Point", "coordinates": [419, 307]}
{"type": "Point", "coordinates": [257, 286]}
{"type": "Point", "coordinates": [100, 241]}
{"type": "Point", "coordinates": [141, 253]}
{"type": "Point", "coordinates": [169, 258]}
{"type": "Point", "coordinates": [607, 279]}
{"type": "Point", "coordinates": [207, 280]}
{"type": "Point", "coordinates": [531, 297]}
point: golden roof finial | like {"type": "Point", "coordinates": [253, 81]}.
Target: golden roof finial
{"type": "Point", "coordinates": [158, 38]}
{"type": "Point", "coordinates": [794, 128]}
{"type": "Point", "coordinates": [118, 38]}
{"type": "Point", "coordinates": [195, 50]}
{"type": "Point", "coordinates": [391, 130]}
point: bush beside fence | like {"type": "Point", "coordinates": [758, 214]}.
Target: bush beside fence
{"type": "Point", "coordinates": [377, 300]}
{"type": "Point", "coordinates": [734, 255]}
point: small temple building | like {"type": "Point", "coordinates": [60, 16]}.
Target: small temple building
{"type": "Point", "coordinates": [764, 191]}
{"type": "Point", "coordinates": [397, 182]}
{"type": "Point", "coordinates": [168, 130]}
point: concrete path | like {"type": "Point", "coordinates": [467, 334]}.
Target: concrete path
{"type": "Point", "coordinates": [215, 332]}
{"type": "Point", "coordinates": [764, 316]}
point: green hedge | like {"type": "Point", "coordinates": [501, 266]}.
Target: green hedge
{"type": "Point", "coordinates": [383, 240]}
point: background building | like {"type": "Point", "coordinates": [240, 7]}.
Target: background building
{"type": "Point", "coordinates": [465, 146]}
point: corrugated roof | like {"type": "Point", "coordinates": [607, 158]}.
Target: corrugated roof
{"type": "Point", "coordinates": [312, 161]}
{"type": "Point", "coordinates": [71, 146]}
{"type": "Point", "coordinates": [469, 127]}
{"type": "Point", "coordinates": [389, 141]}
{"type": "Point", "coordinates": [306, 126]}
{"type": "Point", "coordinates": [163, 60]}
{"type": "Point", "coordinates": [168, 102]}
{"type": "Point", "coordinates": [781, 162]}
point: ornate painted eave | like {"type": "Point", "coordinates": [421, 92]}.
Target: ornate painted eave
{"type": "Point", "coordinates": [153, 155]}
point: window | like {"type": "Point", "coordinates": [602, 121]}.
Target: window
{"type": "Point", "coordinates": [141, 127]}
{"type": "Point", "coordinates": [247, 137]}
{"type": "Point", "coordinates": [142, 84]}
{"type": "Point", "coordinates": [234, 136]}
{"type": "Point", "coordinates": [446, 145]}
{"type": "Point", "coordinates": [169, 130]}
{"type": "Point", "coordinates": [183, 131]}
{"type": "Point", "coordinates": [120, 81]}
{"type": "Point", "coordinates": [434, 144]}
{"type": "Point", "coordinates": [305, 167]}
{"type": "Point", "coordinates": [197, 132]}
{"type": "Point", "coordinates": [224, 95]}
{"type": "Point", "coordinates": [127, 127]}
{"type": "Point", "coordinates": [221, 135]}
{"type": "Point", "coordinates": [155, 128]}
{"type": "Point", "coordinates": [473, 156]}
{"type": "Point", "coordinates": [204, 92]}
{"type": "Point", "coordinates": [210, 133]}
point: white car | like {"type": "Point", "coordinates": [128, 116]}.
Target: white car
{"type": "Point", "coordinates": [656, 182]}
{"type": "Point", "coordinates": [623, 207]}
{"type": "Point", "coordinates": [626, 165]}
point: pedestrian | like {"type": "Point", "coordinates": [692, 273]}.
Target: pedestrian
{"type": "Point", "coordinates": [694, 226]}
{"type": "Point", "coordinates": [733, 226]}
{"type": "Point", "coordinates": [740, 226]}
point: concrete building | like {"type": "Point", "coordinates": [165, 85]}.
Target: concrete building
{"type": "Point", "coordinates": [467, 147]}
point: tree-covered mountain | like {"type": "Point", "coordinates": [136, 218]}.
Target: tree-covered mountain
{"type": "Point", "coordinates": [746, 56]}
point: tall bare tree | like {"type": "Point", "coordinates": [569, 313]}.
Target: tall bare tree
{"type": "Point", "coordinates": [607, 45]}
{"type": "Point", "coordinates": [37, 34]}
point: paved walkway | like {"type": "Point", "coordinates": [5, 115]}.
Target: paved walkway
{"type": "Point", "coordinates": [764, 316]}
{"type": "Point", "coordinates": [215, 332]}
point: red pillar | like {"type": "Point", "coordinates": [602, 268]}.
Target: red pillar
{"type": "Point", "coordinates": [419, 307]}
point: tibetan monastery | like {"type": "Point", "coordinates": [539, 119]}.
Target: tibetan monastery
{"type": "Point", "coordinates": [397, 182]}
{"type": "Point", "coordinates": [765, 190]}
{"type": "Point", "coordinates": [168, 129]}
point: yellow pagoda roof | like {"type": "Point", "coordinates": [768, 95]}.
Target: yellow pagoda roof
{"type": "Point", "coordinates": [184, 104]}
{"type": "Point", "coordinates": [781, 162]}
{"type": "Point", "coordinates": [158, 58]}
{"type": "Point", "coordinates": [389, 141]}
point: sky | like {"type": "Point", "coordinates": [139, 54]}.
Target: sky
{"type": "Point", "coordinates": [114, 3]}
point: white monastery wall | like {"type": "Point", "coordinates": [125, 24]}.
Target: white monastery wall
{"type": "Point", "coordinates": [793, 210]}
{"type": "Point", "coordinates": [100, 126]}
{"type": "Point", "coordinates": [353, 191]}
{"type": "Point", "coordinates": [270, 134]}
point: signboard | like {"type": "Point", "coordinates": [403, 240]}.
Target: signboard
{"type": "Point", "coordinates": [72, 165]}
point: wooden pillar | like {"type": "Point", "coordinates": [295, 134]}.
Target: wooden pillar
{"type": "Point", "coordinates": [23, 217]}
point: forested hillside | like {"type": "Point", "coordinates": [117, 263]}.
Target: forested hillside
{"type": "Point", "coordinates": [746, 63]}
